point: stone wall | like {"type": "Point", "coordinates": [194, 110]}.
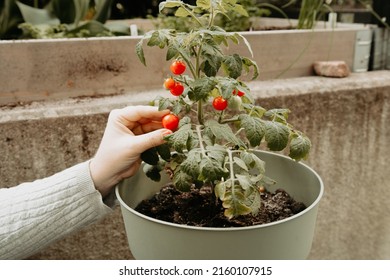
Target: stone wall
{"type": "Point", "coordinates": [346, 119]}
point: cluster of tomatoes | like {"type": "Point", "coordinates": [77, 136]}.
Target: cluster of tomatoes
{"type": "Point", "coordinates": [176, 88]}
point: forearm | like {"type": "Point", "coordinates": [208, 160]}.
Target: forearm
{"type": "Point", "coordinates": [33, 215]}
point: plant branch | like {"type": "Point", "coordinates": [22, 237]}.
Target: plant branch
{"type": "Point", "coordinates": [199, 132]}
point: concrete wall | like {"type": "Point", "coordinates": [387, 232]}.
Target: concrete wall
{"type": "Point", "coordinates": [346, 119]}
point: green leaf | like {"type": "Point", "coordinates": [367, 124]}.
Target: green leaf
{"type": "Point", "coordinates": [171, 52]}
{"type": "Point", "coordinates": [279, 115]}
{"type": "Point", "coordinates": [159, 38]}
{"type": "Point", "coordinates": [181, 12]}
{"type": "Point", "coordinates": [223, 131]}
{"type": "Point", "coordinates": [232, 65]}
{"type": "Point", "coordinates": [220, 189]}
{"type": "Point", "coordinates": [240, 163]}
{"type": "Point", "coordinates": [150, 156]}
{"type": "Point", "coordinates": [204, 4]}
{"type": "Point", "coordinates": [178, 140]}
{"type": "Point", "coordinates": [164, 151]}
{"type": "Point", "coordinates": [276, 136]}
{"type": "Point", "coordinates": [140, 52]}
{"type": "Point", "coordinates": [169, 4]}
{"type": "Point", "coordinates": [254, 129]}
{"type": "Point", "coordinates": [37, 16]}
{"type": "Point", "coordinates": [253, 200]}
{"type": "Point", "coordinates": [234, 203]}
{"type": "Point", "coordinates": [182, 181]}
{"type": "Point", "coordinates": [191, 164]}
{"type": "Point", "coordinates": [211, 170]}
{"type": "Point", "coordinates": [217, 153]}
{"type": "Point", "coordinates": [244, 181]}
{"type": "Point", "coordinates": [247, 64]}
{"type": "Point", "coordinates": [299, 146]}
{"type": "Point", "coordinates": [201, 88]}
{"type": "Point", "coordinates": [241, 10]}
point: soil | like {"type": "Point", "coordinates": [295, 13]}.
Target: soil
{"type": "Point", "coordinates": [199, 208]}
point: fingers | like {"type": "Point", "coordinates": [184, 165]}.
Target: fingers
{"type": "Point", "coordinates": [140, 114]}
{"type": "Point", "coordinates": [149, 140]}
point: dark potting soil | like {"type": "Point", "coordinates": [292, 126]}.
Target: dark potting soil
{"type": "Point", "coordinates": [199, 208]}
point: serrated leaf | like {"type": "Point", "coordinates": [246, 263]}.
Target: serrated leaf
{"type": "Point", "coordinates": [163, 103]}
{"type": "Point", "coordinates": [191, 164]}
{"type": "Point", "coordinates": [201, 88]}
{"type": "Point", "coordinates": [240, 163]}
{"type": "Point", "coordinates": [140, 52]}
{"type": "Point", "coordinates": [150, 156]}
{"type": "Point", "coordinates": [211, 170]}
{"type": "Point", "coordinates": [241, 10]}
{"type": "Point", "coordinates": [253, 200]}
{"type": "Point", "coordinates": [181, 12]}
{"type": "Point", "coordinates": [216, 152]}
{"type": "Point", "coordinates": [279, 115]}
{"type": "Point", "coordinates": [299, 146]}
{"type": "Point", "coordinates": [159, 38]}
{"type": "Point", "coordinates": [234, 204]}
{"type": "Point", "coordinates": [178, 139]}
{"type": "Point", "coordinates": [244, 181]}
{"type": "Point", "coordinates": [276, 136]}
{"type": "Point", "coordinates": [220, 189]}
{"type": "Point", "coordinates": [223, 131]}
{"type": "Point", "coordinates": [254, 129]}
{"type": "Point", "coordinates": [204, 4]}
{"type": "Point", "coordinates": [232, 65]}
{"type": "Point", "coordinates": [169, 4]}
{"type": "Point", "coordinates": [171, 52]}
{"type": "Point", "coordinates": [247, 64]}
{"type": "Point", "coordinates": [182, 181]}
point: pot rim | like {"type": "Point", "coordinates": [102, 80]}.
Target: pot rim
{"type": "Point", "coordinates": [217, 229]}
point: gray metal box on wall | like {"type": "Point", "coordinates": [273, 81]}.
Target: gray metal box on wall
{"type": "Point", "coordinates": [362, 50]}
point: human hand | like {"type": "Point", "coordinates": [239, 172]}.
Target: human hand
{"type": "Point", "coordinates": [129, 132]}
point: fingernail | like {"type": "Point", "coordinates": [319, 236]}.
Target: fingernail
{"type": "Point", "coordinates": [167, 132]}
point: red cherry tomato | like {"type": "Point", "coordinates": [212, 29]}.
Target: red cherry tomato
{"type": "Point", "coordinates": [219, 103]}
{"type": "Point", "coordinates": [178, 67]}
{"type": "Point", "coordinates": [169, 83]}
{"type": "Point", "coordinates": [170, 121]}
{"type": "Point", "coordinates": [177, 89]}
{"type": "Point", "coordinates": [238, 92]}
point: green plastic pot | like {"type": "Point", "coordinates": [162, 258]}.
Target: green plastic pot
{"type": "Point", "coordinates": [290, 238]}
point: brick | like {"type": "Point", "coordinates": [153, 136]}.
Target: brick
{"type": "Point", "coordinates": [335, 69]}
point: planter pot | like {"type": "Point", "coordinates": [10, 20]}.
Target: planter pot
{"type": "Point", "coordinates": [290, 238]}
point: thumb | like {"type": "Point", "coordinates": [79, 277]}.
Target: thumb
{"type": "Point", "coordinates": [149, 140]}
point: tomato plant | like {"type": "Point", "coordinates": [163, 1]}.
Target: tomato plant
{"type": "Point", "coordinates": [178, 67]}
{"type": "Point", "coordinates": [170, 122]}
{"type": "Point", "coordinates": [219, 103]}
{"type": "Point", "coordinates": [215, 147]}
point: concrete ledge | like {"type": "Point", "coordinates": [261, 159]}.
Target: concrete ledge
{"type": "Point", "coordinates": [346, 119]}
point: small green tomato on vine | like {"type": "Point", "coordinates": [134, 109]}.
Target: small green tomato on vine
{"type": "Point", "coordinates": [213, 142]}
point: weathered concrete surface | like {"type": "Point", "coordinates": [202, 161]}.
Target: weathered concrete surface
{"type": "Point", "coordinates": [54, 69]}
{"type": "Point", "coordinates": [346, 119]}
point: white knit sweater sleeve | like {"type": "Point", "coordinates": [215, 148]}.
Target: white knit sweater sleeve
{"type": "Point", "coordinates": [33, 215]}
